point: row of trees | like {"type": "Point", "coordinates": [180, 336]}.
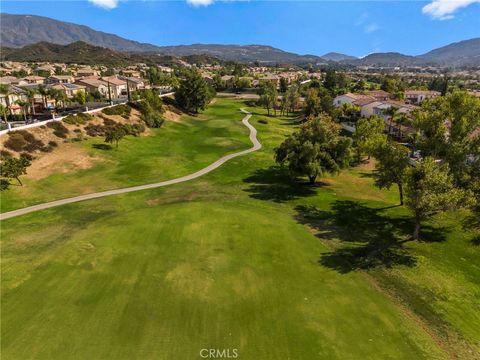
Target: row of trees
{"type": "Point", "coordinates": [28, 106]}
{"type": "Point", "coordinates": [446, 131]}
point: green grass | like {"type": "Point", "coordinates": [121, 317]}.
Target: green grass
{"type": "Point", "coordinates": [240, 258]}
{"type": "Point", "coordinates": [175, 150]}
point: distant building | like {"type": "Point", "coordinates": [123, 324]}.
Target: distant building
{"type": "Point", "coordinates": [418, 96]}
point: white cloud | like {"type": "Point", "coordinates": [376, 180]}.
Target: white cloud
{"type": "Point", "coordinates": [370, 28]}
{"type": "Point", "coordinates": [105, 4]}
{"type": "Point", "coordinates": [197, 3]}
{"type": "Point", "coordinates": [444, 9]}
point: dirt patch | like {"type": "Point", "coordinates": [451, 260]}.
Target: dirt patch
{"type": "Point", "coordinates": [172, 116]}
{"type": "Point", "coordinates": [66, 158]}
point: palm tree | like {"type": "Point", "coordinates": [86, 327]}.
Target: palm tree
{"type": "Point", "coordinates": [24, 106]}
{"type": "Point", "coordinates": [31, 98]}
{"type": "Point", "coordinates": [42, 90]}
{"type": "Point", "coordinates": [391, 112]}
{"type": "Point", "coordinates": [3, 111]}
{"type": "Point", "coordinates": [5, 90]}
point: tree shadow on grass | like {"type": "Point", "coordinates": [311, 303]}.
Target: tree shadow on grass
{"type": "Point", "coordinates": [369, 238]}
{"type": "Point", "coordinates": [102, 146]}
{"type": "Point", "coordinates": [274, 184]}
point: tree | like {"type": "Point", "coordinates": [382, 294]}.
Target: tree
{"type": "Point", "coordinates": [316, 149]}
{"type": "Point", "coordinates": [268, 95]}
{"type": "Point", "coordinates": [23, 105]}
{"type": "Point", "coordinates": [312, 106]}
{"type": "Point", "coordinates": [31, 98]}
{"type": "Point", "coordinates": [283, 85]}
{"type": "Point", "coordinates": [193, 93]}
{"type": "Point", "coordinates": [330, 82]}
{"type": "Point", "coordinates": [80, 97]}
{"type": "Point", "coordinates": [368, 133]}
{"type": "Point", "coordinates": [114, 134]}
{"type": "Point", "coordinates": [447, 129]}
{"type": "Point", "coordinates": [13, 168]}
{"type": "Point", "coordinates": [429, 190]}
{"type": "Point", "coordinates": [293, 99]}
{"type": "Point", "coordinates": [5, 90]}
{"type": "Point", "coordinates": [391, 166]}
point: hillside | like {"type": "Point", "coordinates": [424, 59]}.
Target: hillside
{"type": "Point", "coordinates": [246, 53]}
{"type": "Point", "coordinates": [460, 53]}
{"type": "Point", "coordinates": [83, 53]}
{"type": "Point", "coordinates": [334, 56]}
{"type": "Point", "coordinates": [21, 30]}
{"type": "Point", "coordinates": [386, 59]}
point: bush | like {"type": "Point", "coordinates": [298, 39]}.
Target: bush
{"type": "Point", "coordinates": [52, 143]}
{"type": "Point", "coordinates": [153, 119]}
{"type": "Point", "coordinates": [263, 121]}
{"type": "Point", "coordinates": [15, 142]}
{"type": "Point", "coordinates": [27, 156]}
{"type": "Point", "coordinates": [78, 119]}
{"type": "Point", "coordinates": [95, 130]}
{"type": "Point", "coordinates": [34, 145]}
{"type": "Point", "coordinates": [122, 109]}
{"type": "Point", "coordinates": [22, 140]}
{"type": "Point", "coordinates": [109, 122]}
{"type": "Point", "coordinates": [59, 129]}
{"type": "Point", "coordinates": [5, 153]}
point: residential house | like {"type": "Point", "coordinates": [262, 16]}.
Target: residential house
{"type": "Point", "coordinates": [9, 80]}
{"type": "Point", "coordinates": [418, 96]}
{"type": "Point", "coordinates": [33, 79]}
{"type": "Point", "coordinates": [94, 85]}
{"type": "Point", "coordinates": [69, 89]}
{"type": "Point", "coordinates": [13, 95]}
{"type": "Point", "coordinates": [131, 73]}
{"type": "Point", "coordinates": [134, 83]}
{"type": "Point", "coordinates": [44, 69]}
{"type": "Point", "coordinates": [379, 95]}
{"type": "Point", "coordinates": [118, 87]}
{"type": "Point", "coordinates": [349, 98]}
{"type": "Point", "coordinates": [86, 72]}
{"type": "Point", "coordinates": [60, 79]}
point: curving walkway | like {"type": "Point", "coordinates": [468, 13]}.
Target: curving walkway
{"type": "Point", "coordinates": [253, 138]}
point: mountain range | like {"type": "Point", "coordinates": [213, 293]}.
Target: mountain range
{"type": "Point", "coordinates": [22, 30]}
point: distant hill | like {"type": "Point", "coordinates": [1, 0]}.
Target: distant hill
{"type": "Point", "coordinates": [80, 53]}
{"type": "Point", "coordinates": [334, 56]}
{"type": "Point", "coordinates": [386, 59]}
{"type": "Point", "coordinates": [21, 30]}
{"type": "Point", "coordinates": [465, 52]}
{"type": "Point", "coordinates": [245, 53]}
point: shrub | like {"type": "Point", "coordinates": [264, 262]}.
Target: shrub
{"type": "Point", "coordinates": [78, 119]}
{"type": "Point", "coordinates": [263, 121]}
{"type": "Point", "coordinates": [122, 109]}
{"type": "Point", "coordinates": [34, 145]}
{"type": "Point", "coordinates": [52, 143]}
{"type": "Point", "coordinates": [153, 119]}
{"type": "Point", "coordinates": [95, 130]}
{"type": "Point", "coordinates": [5, 153]}
{"type": "Point", "coordinates": [109, 122]}
{"type": "Point", "coordinates": [27, 156]}
{"type": "Point", "coordinates": [15, 142]}
{"type": "Point", "coordinates": [59, 129]}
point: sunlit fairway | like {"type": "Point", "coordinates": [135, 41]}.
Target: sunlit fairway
{"type": "Point", "coordinates": [238, 259]}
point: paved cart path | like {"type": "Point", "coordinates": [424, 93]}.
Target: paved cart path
{"type": "Point", "coordinates": [253, 138]}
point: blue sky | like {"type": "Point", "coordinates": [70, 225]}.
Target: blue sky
{"type": "Point", "coordinates": [306, 27]}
